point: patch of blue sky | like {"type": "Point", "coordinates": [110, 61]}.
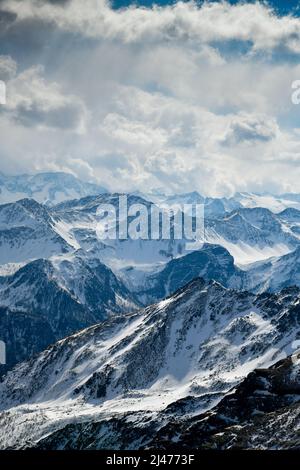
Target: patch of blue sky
{"type": "Point", "coordinates": [282, 7]}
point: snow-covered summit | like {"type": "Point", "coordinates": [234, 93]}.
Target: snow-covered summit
{"type": "Point", "coordinates": [49, 188]}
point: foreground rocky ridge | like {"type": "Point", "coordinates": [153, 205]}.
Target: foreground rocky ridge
{"type": "Point", "coordinates": [263, 412]}
{"type": "Point", "coordinates": [140, 372]}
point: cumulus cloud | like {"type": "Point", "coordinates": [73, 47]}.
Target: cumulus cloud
{"type": "Point", "coordinates": [7, 18]}
{"type": "Point", "coordinates": [188, 21]}
{"type": "Point", "coordinates": [8, 67]}
{"type": "Point", "coordinates": [35, 102]}
{"type": "Point", "coordinates": [248, 129]}
{"type": "Point", "coordinates": [183, 96]}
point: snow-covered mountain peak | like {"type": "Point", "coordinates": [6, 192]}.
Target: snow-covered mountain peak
{"type": "Point", "coordinates": [49, 188]}
{"type": "Point", "coordinates": [274, 203]}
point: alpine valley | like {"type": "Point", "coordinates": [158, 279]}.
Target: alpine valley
{"type": "Point", "coordinates": [144, 343]}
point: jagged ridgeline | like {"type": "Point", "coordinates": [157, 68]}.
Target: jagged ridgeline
{"type": "Point", "coordinates": [111, 342]}
{"type": "Point", "coordinates": [133, 377]}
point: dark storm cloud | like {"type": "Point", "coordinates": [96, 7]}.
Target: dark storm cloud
{"type": "Point", "coordinates": [29, 40]}
{"type": "Point", "coordinates": [23, 40]}
{"type": "Point", "coordinates": [7, 18]}
{"type": "Point", "coordinates": [249, 129]}
{"type": "Point", "coordinates": [65, 117]}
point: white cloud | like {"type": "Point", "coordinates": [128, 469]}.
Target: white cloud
{"type": "Point", "coordinates": [188, 21]}
{"type": "Point", "coordinates": [34, 102]}
{"type": "Point", "coordinates": [8, 67]}
{"type": "Point", "coordinates": [149, 97]}
{"type": "Point", "coordinates": [134, 134]}
{"type": "Point", "coordinates": [248, 129]}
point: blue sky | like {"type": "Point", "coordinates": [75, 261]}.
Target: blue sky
{"type": "Point", "coordinates": [186, 97]}
{"type": "Point", "coordinates": [282, 6]}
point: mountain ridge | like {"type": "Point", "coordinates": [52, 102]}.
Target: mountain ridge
{"type": "Point", "coordinates": [199, 343]}
{"type": "Point", "coordinates": [48, 187]}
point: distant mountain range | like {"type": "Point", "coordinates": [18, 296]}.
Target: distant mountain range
{"type": "Point", "coordinates": [48, 188]}
{"type": "Point", "coordinates": [58, 274]}
{"type": "Point", "coordinates": [54, 187]}
{"type": "Point", "coordinates": [217, 206]}
{"type": "Point", "coordinates": [161, 339]}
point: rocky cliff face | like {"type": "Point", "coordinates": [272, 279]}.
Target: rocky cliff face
{"type": "Point", "coordinates": [48, 300]}
{"type": "Point", "coordinates": [263, 412]}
